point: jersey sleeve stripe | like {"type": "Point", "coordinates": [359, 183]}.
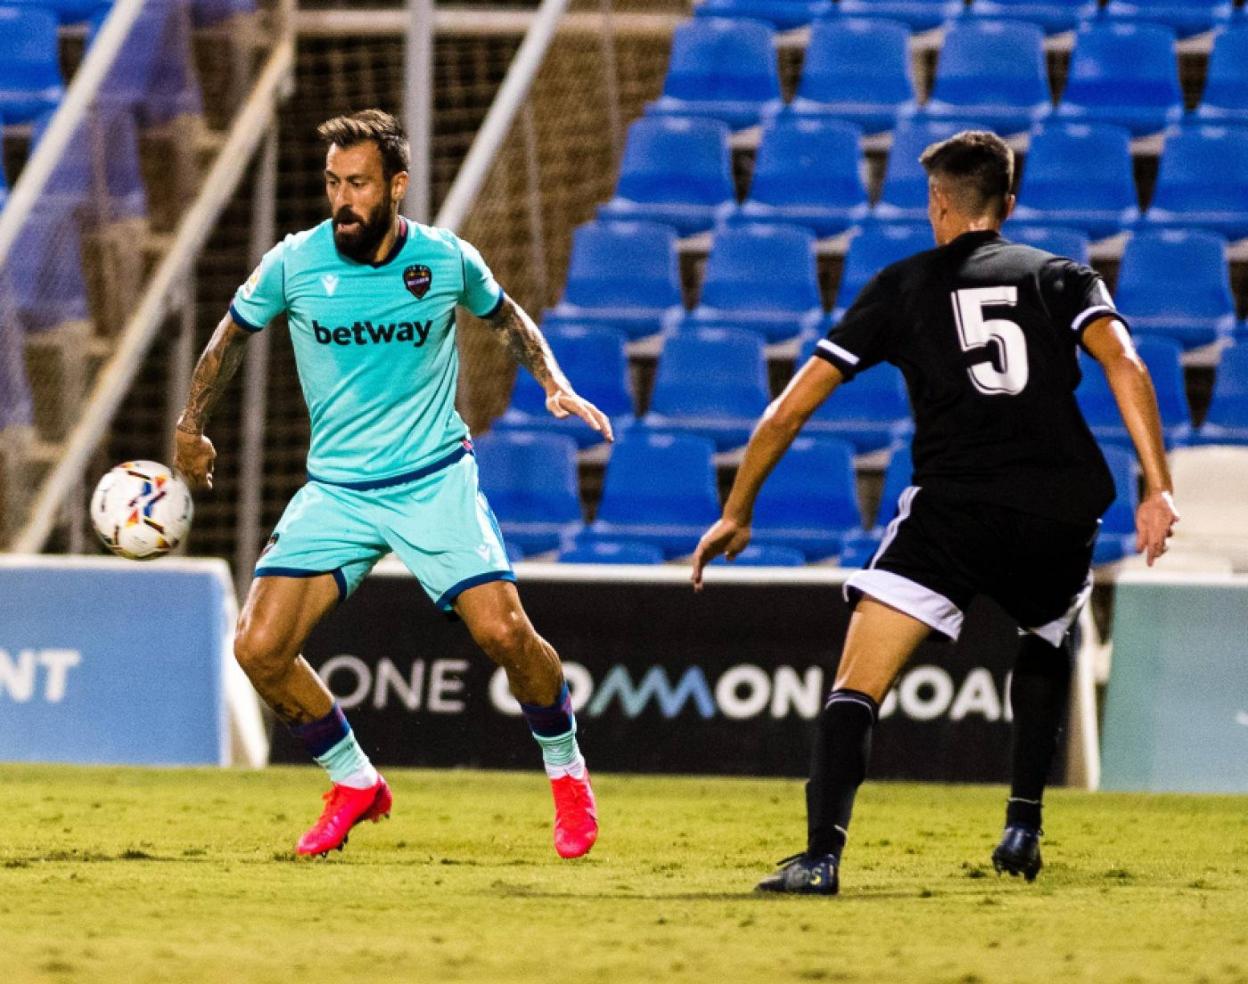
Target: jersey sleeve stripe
{"type": "Point", "coordinates": [842, 358]}
{"type": "Point", "coordinates": [1088, 315]}
{"type": "Point", "coordinates": [502, 296]}
{"type": "Point", "coordinates": [243, 322]}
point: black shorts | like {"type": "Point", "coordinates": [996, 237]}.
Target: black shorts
{"type": "Point", "coordinates": [939, 553]}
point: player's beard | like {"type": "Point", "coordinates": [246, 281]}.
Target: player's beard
{"type": "Point", "coordinates": [360, 244]}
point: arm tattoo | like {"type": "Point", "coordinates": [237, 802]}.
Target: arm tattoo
{"type": "Point", "coordinates": [212, 375]}
{"type": "Point", "coordinates": [528, 345]}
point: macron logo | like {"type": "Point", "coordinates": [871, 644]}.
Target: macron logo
{"type": "Point", "coordinates": [363, 332]}
{"type": "Point", "coordinates": [330, 283]}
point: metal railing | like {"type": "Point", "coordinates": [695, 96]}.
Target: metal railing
{"type": "Point", "coordinates": [168, 289]}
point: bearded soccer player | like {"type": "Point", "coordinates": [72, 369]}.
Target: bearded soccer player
{"type": "Point", "coordinates": [1007, 491]}
{"type": "Point", "coordinates": [370, 297]}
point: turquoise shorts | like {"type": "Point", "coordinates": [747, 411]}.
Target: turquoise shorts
{"type": "Point", "coordinates": [435, 519]}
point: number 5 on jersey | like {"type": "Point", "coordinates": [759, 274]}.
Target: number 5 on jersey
{"type": "Point", "coordinates": [975, 332]}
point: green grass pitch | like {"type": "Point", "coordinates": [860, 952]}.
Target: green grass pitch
{"type": "Point", "coordinates": [188, 875]}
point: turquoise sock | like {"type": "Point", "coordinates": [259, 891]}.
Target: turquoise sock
{"type": "Point", "coordinates": [559, 750]}
{"type": "Point", "coordinates": [347, 764]}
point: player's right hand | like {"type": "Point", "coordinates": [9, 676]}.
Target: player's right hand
{"type": "Point", "coordinates": [726, 537]}
{"type": "Point", "coordinates": [1154, 523]}
{"type": "Point", "coordinates": [193, 458]}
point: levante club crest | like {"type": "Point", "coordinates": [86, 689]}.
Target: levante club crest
{"type": "Point", "coordinates": [417, 280]}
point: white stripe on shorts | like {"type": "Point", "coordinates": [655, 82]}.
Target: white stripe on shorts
{"type": "Point", "coordinates": [1053, 632]}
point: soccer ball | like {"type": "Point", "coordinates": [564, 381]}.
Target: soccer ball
{"type": "Point", "coordinates": [141, 510]}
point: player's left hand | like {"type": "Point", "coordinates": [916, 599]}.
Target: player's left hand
{"type": "Point", "coordinates": [726, 537]}
{"type": "Point", "coordinates": [1154, 523]}
{"type": "Point", "coordinates": [563, 403]}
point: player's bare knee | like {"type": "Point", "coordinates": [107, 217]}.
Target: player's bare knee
{"type": "Point", "coordinates": [259, 652]}
{"type": "Point", "coordinates": [507, 640]}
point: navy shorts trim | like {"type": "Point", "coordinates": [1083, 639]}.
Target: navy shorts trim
{"type": "Point", "coordinates": [455, 590]}
{"type": "Point", "coordinates": [339, 578]}
{"type": "Point", "coordinates": [412, 476]}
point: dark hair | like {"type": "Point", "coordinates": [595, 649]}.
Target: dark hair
{"type": "Point", "coordinates": [980, 166]}
{"type": "Point", "coordinates": [375, 125]}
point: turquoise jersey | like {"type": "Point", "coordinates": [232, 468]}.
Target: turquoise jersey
{"type": "Point", "coordinates": [374, 344]}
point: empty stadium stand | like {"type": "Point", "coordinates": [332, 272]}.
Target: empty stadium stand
{"type": "Point", "coordinates": [807, 173]}
{"type": "Point", "coordinates": [1090, 189]}
{"type": "Point", "coordinates": [722, 69]}
{"type": "Point", "coordinates": [711, 382]}
{"type": "Point", "coordinates": [1079, 176]}
{"type": "Point", "coordinates": [857, 70]}
{"type": "Point", "coordinates": [530, 480]}
{"type": "Point", "coordinates": [1126, 74]}
{"type": "Point", "coordinates": [623, 276]}
{"type": "Point", "coordinates": [762, 280]}
{"type": "Point", "coordinates": [676, 171]}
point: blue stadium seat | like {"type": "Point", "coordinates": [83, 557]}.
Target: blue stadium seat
{"type": "Point", "coordinates": [154, 71]}
{"type": "Point", "coordinates": [877, 246]}
{"type": "Point", "coordinates": [1185, 18]}
{"type": "Point", "coordinates": [763, 555]}
{"type": "Point", "coordinates": [1079, 176]}
{"type": "Point", "coordinates": [1117, 536]}
{"type": "Point", "coordinates": [1227, 420]}
{"type": "Point", "coordinates": [711, 382]}
{"type": "Point", "coordinates": [870, 412]}
{"type": "Point", "coordinates": [807, 173]}
{"type": "Point", "coordinates": [993, 71]}
{"type": "Point", "coordinates": [919, 15]}
{"type": "Point", "coordinates": [1100, 409]}
{"type": "Point", "coordinates": [67, 11]}
{"type": "Point", "coordinates": [856, 70]}
{"type": "Point", "coordinates": [1053, 17]}
{"type": "Point", "coordinates": [100, 167]}
{"type": "Point", "coordinates": [676, 172]}
{"type": "Point", "coordinates": [531, 482]}
{"type": "Point", "coordinates": [1225, 99]}
{"type": "Point", "coordinates": [857, 548]}
{"type": "Point", "coordinates": [722, 69]}
{"type": "Point", "coordinates": [45, 268]}
{"type": "Point", "coordinates": [594, 360]}
{"type": "Point", "coordinates": [30, 71]}
{"type": "Point", "coordinates": [1124, 74]}
{"type": "Point", "coordinates": [1177, 284]}
{"type": "Point", "coordinates": [810, 501]}
{"type": "Point", "coordinates": [1203, 181]}
{"type": "Point", "coordinates": [659, 489]}
{"type": "Point", "coordinates": [1053, 239]}
{"type": "Point", "coordinates": [782, 14]}
{"type": "Point", "coordinates": [760, 279]}
{"type": "Point", "coordinates": [624, 276]}
{"type": "Point", "coordinates": [904, 195]}
{"type": "Point", "coordinates": [611, 552]}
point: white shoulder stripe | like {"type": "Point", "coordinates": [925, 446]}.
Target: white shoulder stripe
{"type": "Point", "coordinates": [843, 354]}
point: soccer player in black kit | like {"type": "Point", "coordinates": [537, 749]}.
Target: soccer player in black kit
{"type": "Point", "coordinates": [1007, 491]}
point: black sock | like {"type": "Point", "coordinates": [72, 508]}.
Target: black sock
{"type": "Point", "coordinates": [1039, 690]}
{"type": "Point", "coordinates": [838, 765]}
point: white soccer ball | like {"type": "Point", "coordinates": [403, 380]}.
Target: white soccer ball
{"type": "Point", "coordinates": [141, 510]}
